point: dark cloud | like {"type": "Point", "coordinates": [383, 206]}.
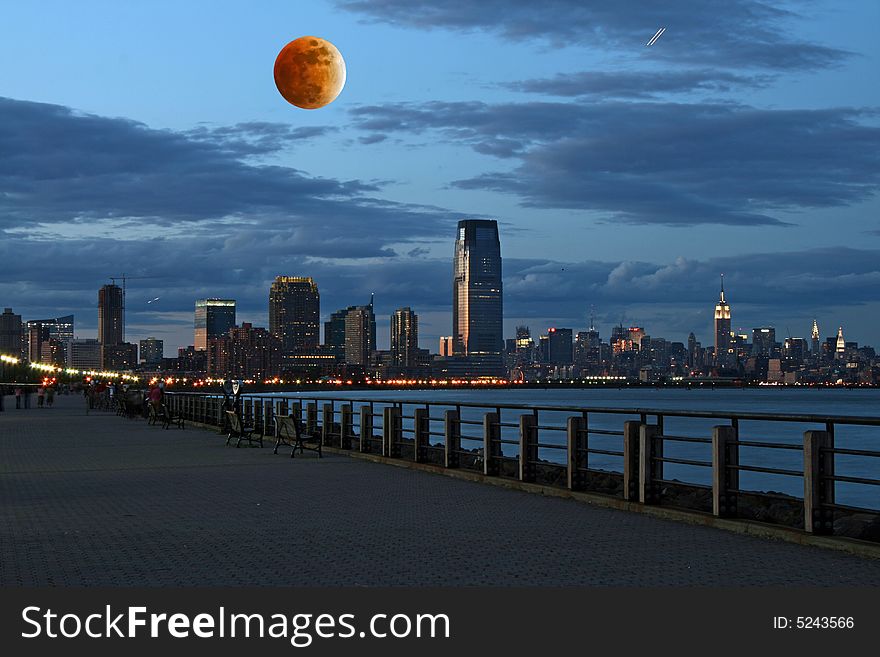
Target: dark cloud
{"type": "Point", "coordinates": [63, 167]}
{"type": "Point", "coordinates": [255, 137]}
{"type": "Point", "coordinates": [728, 33]}
{"type": "Point", "coordinates": [372, 139]}
{"type": "Point", "coordinates": [663, 163]}
{"type": "Point", "coordinates": [636, 84]}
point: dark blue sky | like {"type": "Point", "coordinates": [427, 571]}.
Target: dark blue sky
{"type": "Point", "coordinates": [148, 138]}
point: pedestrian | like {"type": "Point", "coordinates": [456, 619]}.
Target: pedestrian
{"type": "Point", "coordinates": [17, 396]}
{"type": "Point", "coordinates": [50, 396]}
{"type": "Point", "coordinates": [41, 392]}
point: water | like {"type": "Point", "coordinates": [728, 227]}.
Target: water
{"type": "Point", "coordinates": [805, 401]}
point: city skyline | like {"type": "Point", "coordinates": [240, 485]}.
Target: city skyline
{"type": "Point", "coordinates": [623, 177]}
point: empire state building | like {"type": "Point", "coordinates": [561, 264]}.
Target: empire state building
{"type": "Point", "coordinates": [724, 356]}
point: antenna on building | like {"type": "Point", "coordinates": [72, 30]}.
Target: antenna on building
{"type": "Point", "coordinates": [592, 314]}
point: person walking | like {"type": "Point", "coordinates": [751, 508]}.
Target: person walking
{"type": "Point", "coordinates": [41, 392]}
{"type": "Point", "coordinates": [17, 396]}
{"type": "Point", "coordinates": [50, 396]}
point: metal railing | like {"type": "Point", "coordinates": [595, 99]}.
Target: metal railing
{"type": "Point", "coordinates": [707, 461]}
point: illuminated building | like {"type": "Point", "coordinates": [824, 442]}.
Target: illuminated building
{"type": "Point", "coordinates": [815, 339]}
{"type": "Point", "coordinates": [152, 351]}
{"type": "Point", "coordinates": [334, 334]}
{"type": "Point", "coordinates": [446, 346]}
{"type": "Point", "coordinates": [840, 349]}
{"type": "Point", "coordinates": [724, 356]}
{"type": "Point", "coordinates": [245, 352]}
{"type": "Point", "coordinates": [213, 319]}
{"type": "Point", "coordinates": [84, 354]}
{"type": "Point", "coordinates": [294, 313]}
{"type": "Point", "coordinates": [477, 311]}
{"type": "Point", "coordinates": [360, 334]}
{"type": "Point", "coordinates": [404, 338]}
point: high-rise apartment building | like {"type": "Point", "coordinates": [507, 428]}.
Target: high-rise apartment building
{"type": "Point", "coordinates": [334, 334]}
{"type": "Point", "coordinates": [404, 338]}
{"type": "Point", "coordinates": [152, 351]}
{"type": "Point", "coordinates": [294, 313]}
{"type": "Point", "coordinates": [213, 319]}
{"type": "Point", "coordinates": [477, 311]}
{"type": "Point", "coordinates": [111, 315]}
{"type": "Point", "coordinates": [360, 334]}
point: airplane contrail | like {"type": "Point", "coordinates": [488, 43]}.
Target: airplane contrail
{"type": "Point", "coordinates": [654, 38]}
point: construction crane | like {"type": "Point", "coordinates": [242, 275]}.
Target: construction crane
{"type": "Point", "coordinates": [124, 278]}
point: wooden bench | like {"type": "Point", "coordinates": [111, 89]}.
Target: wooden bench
{"type": "Point", "coordinates": [237, 428]}
{"type": "Point", "coordinates": [289, 432]}
{"type": "Point", "coordinates": [167, 417]}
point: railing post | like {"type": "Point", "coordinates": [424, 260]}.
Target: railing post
{"type": "Point", "coordinates": [296, 410]}
{"type": "Point", "coordinates": [366, 428]}
{"type": "Point", "coordinates": [649, 469]}
{"type": "Point", "coordinates": [327, 425]}
{"type": "Point", "coordinates": [818, 490]}
{"type": "Point", "coordinates": [452, 439]}
{"type": "Point", "coordinates": [631, 430]}
{"type": "Point", "coordinates": [268, 425]}
{"type": "Point", "coordinates": [491, 444]}
{"type": "Point", "coordinates": [725, 476]}
{"type": "Point", "coordinates": [312, 418]}
{"type": "Point", "coordinates": [248, 412]}
{"type": "Point", "coordinates": [528, 447]}
{"type": "Point", "coordinates": [282, 408]}
{"type": "Point", "coordinates": [420, 433]}
{"type": "Point", "coordinates": [345, 425]}
{"type": "Point", "coordinates": [391, 431]}
{"type": "Point", "coordinates": [578, 458]}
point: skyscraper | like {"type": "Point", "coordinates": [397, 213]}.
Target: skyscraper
{"type": "Point", "coordinates": [294, 313]}
{"type": "Point", "coordinates": [559, 346]}
{"type": "Point", "coordinates": [815, 339]}
{"type": "Point", "coordinates": [840, 350]}
{"type": "Point", "coordinates": [404, 337]}
{"type": "Point", "coordinates": [723, 351]}
{"type": "Point", "coordinates": [111, 315]}
{"type": "Point", "coordinates": [334, 334]}
{"type": "Point", "coordinates": [48, 339]}
{"type": "Point", "coordinates": [11, 342]}
{"type": "Point", "coordinates": [360, 327]}
{"type": "Point", "coordinates": [476, 293]}
{"type": "Point", "coordinates": [213, 319]}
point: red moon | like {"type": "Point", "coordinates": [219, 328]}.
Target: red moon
{"type": "Point", "coordinates": [309, 72]}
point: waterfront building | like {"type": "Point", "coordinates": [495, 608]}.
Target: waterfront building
{"type": "Point", "coordinates": [11, 335]}
{"type": "Point", "coordinates": [724, 355]}
{"type": "Point", "coordinates": [446, 346]}
{"type": "Point", "coordinates": [334, 334]}
{"type": "Point", "coordinates": [404, 338]}
{"type": "Point", "coordinates": [294, 313]}
{"type": "Point", "coordinates": [48, 339]}
{"type": "Point", "coordinates": [477, 310]}
{"type": "Point", "coordinates": [245, 352]}
{"type": "Point", "coordinates": [120, 356]}
{"type": "Point", "coordinates": [360, 334]}
{"type": "Point", "coordinates": [213, 319]}
{"type": "Point", "coordinates": [84, 354]}
{"type": "Point", "coordinates": [152, 351]}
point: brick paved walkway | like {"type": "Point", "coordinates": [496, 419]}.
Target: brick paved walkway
{"type": "Point", "coordinates": [101, 500]}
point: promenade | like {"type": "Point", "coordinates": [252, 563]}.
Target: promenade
{"type": "Point", "coordinates": [99, 500]}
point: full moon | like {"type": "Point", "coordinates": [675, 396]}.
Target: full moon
{"type": "Point", "coordinates": [309, 72]}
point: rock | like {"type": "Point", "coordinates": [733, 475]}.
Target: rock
{"type": "Point", "coordinates": [865, 526]}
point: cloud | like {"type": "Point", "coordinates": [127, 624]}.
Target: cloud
{"type": "Point", "coordinates": [372, 139]}
{"type": "Point", "coordinates": [731, 34]}
{"type": "Point", "coordinates": [639, 85]}
{"type": "Point", "coordinates": [657, 162]}
{"type": "Point", "coordinates": [63, 168]}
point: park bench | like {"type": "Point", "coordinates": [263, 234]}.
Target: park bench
{"type": "Point", "coordinates": [289, 432]}
{"type": "Point", "coordinates": [167, 417]}
{"type": "Point", "coordinates": [238, 429]}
